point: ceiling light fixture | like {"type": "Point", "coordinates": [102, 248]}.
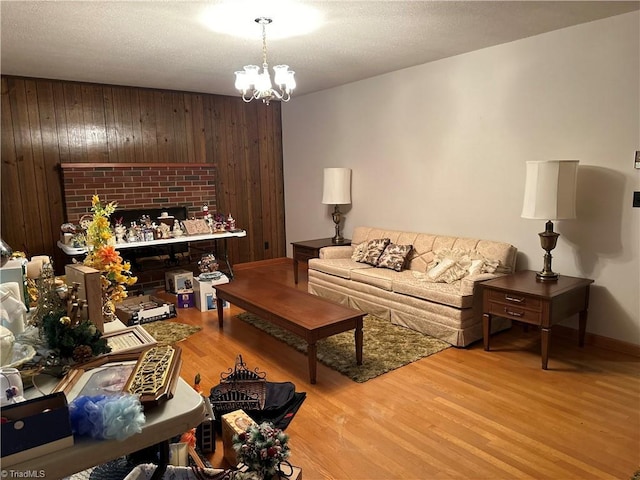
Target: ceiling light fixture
{"type": "Point", "coordinates": [255, 85]}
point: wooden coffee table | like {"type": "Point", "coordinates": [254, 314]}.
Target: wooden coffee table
{"type": "Point", "coordinates": [301, 313]}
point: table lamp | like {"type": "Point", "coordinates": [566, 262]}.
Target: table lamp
{"type": "Point", "coordinates": [550, 194]}
{"type": "Point", "coordinates": [337, 191]}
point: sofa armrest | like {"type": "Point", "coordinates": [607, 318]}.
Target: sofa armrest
{"type": "Point", "coordinates": [469, 283]}
{"type": "Point", "coordinates": [339, 251]}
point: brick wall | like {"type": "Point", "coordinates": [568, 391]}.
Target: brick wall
{"type": "Point", "coordinates": [138, 186]}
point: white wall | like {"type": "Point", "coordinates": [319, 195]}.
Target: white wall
{"type": "Point", "coordinates": [441, 148]}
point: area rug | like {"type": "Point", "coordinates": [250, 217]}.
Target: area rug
{"type": "Point", "coordinates": [167, 332]}
{"type": "Point", "coordinates": [386, 347]}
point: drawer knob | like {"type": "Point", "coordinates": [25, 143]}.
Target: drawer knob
{"type": "Point", "coordinates": [512, 313]}
{"type": "Point", "coordinates": [511, 298]}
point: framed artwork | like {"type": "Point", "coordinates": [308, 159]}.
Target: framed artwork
{"type": "Point", "coordinates": [132, 339]}
{"type": "Point", "coordinates": [151, 374]}
{"type": "Point", "coordinates": [101, 375]}
{"type": "Point", "coordinates": [196, 227]}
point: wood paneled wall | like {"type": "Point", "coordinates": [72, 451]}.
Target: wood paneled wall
{"type": "Point", "coordinates": [49, 122]}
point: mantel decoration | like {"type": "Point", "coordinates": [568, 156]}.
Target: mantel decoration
{"type": "Point", "coordinates": [116, 274]}
{"type": "Point", "coordinates": [262, 448]}
{"type": "Point", "coordinates": [255, 85]}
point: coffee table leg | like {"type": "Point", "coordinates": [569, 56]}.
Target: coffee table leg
{"type": "Point", "coordinates": [359, 341]}
{"type": "Point", "coordinates": [312, 351]}
{"type": "Point", "coordinates": [219, 302]}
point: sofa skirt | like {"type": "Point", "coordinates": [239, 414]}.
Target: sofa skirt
{"type": "Point", "coordinates": [458, 326]}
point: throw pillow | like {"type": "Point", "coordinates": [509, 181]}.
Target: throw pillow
{"type": "Point", "coordinates": [476, 267]}
{"type": "Point", "coordinates": [436, 271]}
{"type": "Point", "coordinates": [358, 252]}
{"type": "Point", "coordinates": [394, 256]}
{"type": "Point", "coordinates": [374, 249]}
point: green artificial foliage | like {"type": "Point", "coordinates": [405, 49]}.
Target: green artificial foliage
{"type": "Point", "coordinates": [262, 448]}
{"type": "Point", "coordinates": [73, 341]}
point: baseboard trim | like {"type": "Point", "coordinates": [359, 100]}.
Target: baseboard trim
{"type": "Point", "coordinates": [591, 339]}
{"type": "Point", "coordinates": [598, 340]}
{"type": "Point", "coordinates": [261, 263]}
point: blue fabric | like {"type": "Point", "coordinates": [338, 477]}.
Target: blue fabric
{"type": "Point", "coordinates": [106, 417]}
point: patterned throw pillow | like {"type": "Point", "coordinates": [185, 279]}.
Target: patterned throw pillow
{"type": "Point", "coordinates": [358, 252]}
{"type": "Point", "coordinates": [374, 249]}
{"type": "Point", "coordinates": [394, 256]}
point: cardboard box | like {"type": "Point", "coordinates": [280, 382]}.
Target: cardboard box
{"type": "Point", "coordinates": [90, 289]}
{"type": "Point", "coordinates": [178, 279]}
{"type": "Point", "coordinates": [34, 428]}
{"type": "Point", "coordinates": [184, 299]}
{"type": "Point", "coordinates": [144, 309]}
{"type": "Point", "coordinates": [205, 293]}
{"type": "Point", "coordinates": [233, 423]}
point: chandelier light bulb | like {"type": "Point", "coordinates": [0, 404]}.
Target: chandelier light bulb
{"type": "Point", "coordinates": [255, 85]}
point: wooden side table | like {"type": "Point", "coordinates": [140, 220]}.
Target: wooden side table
{"type": "Point", "coordinates": [306, 249]}
{"type": "Point", "coordinates": [523, 298]}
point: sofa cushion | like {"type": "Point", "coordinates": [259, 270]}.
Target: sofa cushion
{"type": "Point", "coordinates": [414, 284]}
{"type": "Point", "coordinates": [374, 249]}
{"type": "Point", "coordinates": [394, 256]}
{"type": "Point", "coordinates": [424, 246]}
{"type": "Point", "coordinates": [340, 267]}
{"type": "Point", "coordinates": [377, 277]}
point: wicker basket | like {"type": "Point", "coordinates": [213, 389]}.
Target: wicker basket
{"type": "Point", "coordinates": [239, 388]}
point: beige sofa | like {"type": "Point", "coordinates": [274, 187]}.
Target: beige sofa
{"type": "Point", "coordinates": [420, 296]}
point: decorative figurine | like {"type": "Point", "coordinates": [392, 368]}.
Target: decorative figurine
{"type": "Point", "coordinates": [177, 231]}
{"type": "Point", "coordinates": [231, 223]}
{"type": "Point", "coordinates": [165, 230]}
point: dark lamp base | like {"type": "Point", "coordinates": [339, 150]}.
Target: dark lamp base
{"type": "Point", "coordinates": [546, 276]}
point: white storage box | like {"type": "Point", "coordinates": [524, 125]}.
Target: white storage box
{"type": "Point", "coordinates": [205, 293]}
{"type": "Point", "coordinates": [179, 279]}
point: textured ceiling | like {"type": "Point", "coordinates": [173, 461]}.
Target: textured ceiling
{"type": "Point", "coordinates": [164, 44]}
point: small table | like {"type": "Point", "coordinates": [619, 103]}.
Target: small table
{"type": "Point", "coordinates": [162, 242]}
{"type": "Point", "coordinates": [184, 411]}
{"type": "Point", "coordinates": [306, 249]}
{"type": "Point", "coordinates": [523, 298]}
{"type": "Point", "coordinates": [308, 316]}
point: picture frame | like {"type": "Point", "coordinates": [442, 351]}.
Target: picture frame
{"type": "Point", "coordinates": [77, 377]}
{"type": "Point", "coordinates": [196, 227]}
{"type": "Point", "coordinates": [131, 339]}
{"type": "Point", "coordinates": [152, 374]}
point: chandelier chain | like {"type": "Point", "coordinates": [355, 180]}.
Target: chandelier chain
{"type": "Point", "coordinates": [264, 45]}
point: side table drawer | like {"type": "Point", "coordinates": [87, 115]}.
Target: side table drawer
{"type": "Point", "coordinates": [522, 301]}
{"type": "Point", "coordinates": [514, 312]}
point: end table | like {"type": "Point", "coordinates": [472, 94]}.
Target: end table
{"type": "Point", "coordinates": [523, 298]}
{"type": "Point", "coordinates": [306, 249]}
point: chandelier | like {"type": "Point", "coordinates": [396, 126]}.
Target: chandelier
{"type": "Point", "coordinates": [255, 85]}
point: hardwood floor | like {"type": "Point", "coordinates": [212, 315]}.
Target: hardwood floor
{"type": "Point", "coordinates": [462, 413]}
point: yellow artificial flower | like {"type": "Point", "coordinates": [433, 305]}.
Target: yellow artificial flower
{"type": "Point", "coordinates": [104, 257]}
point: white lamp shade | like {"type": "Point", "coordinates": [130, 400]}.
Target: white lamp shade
{"type": "Point", "coordinates": [550, 190]}
{"type": "Point", "coordinates": [337, 186]}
